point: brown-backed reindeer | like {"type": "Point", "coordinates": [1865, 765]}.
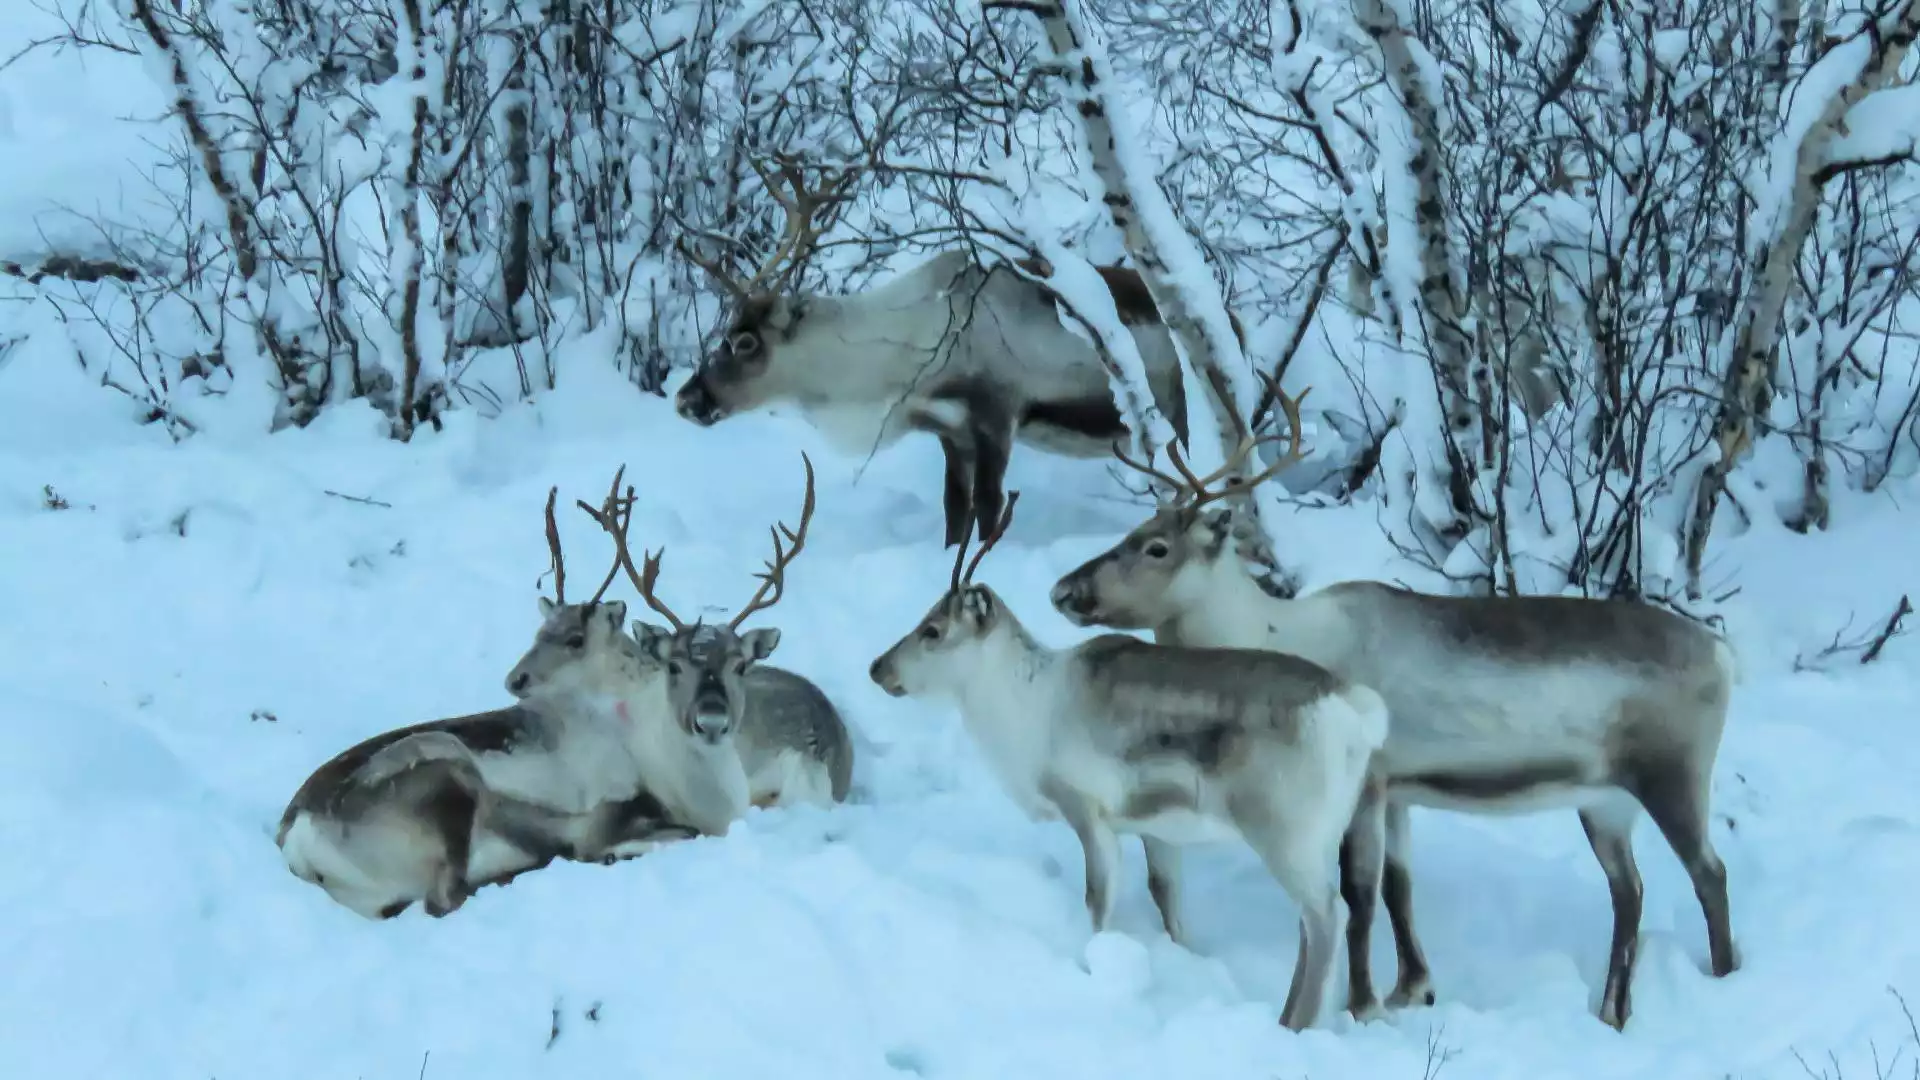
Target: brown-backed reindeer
{"type": "Point", "coordinates": [976, 355]}
{"type": "Point", "coordinates": [1176, 744]}
{"type": "Point", "coordinates": [433, 811]}
{"type": "Point", "coordinates": [1502, 704]}
{"type": "Point", "coordinates": [722, 731]}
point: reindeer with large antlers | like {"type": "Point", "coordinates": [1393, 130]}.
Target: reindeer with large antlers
{"type": "Point", "coordinates": [976, 354]}
{"type": "Point", "coordinates": [1500, 704]}
{"type": "Point", "coordinates": [433, 811]}
{"type": "Point", "coordinates": [721, 730]}
{"type": "Point", "coordinates": [1176, 744]}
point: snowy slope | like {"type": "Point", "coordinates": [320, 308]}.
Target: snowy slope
{"type": "Point", "coordinates": [204, 624]}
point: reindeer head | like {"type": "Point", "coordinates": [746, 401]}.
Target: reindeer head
{"type": "Point", "coordinates": [579, 647]}
{"type": "Point", "coordinates": [936, 656]}
{"type": "Point", "coordinates": [706, 665]}
{"type": "Point", "coordinates": [1165, 565]}
{"type": "Point", "coordinates": [741, 375]}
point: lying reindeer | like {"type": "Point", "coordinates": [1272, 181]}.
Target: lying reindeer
{"type": "Point", "coordinates": [1501, 704]}
{"type": "Point", "coordinates": [974, 353]}
{"type": "Point", "coordinates": [720, 730]}
{"type": "Point", "coordinates": [1179, 745]}
{"type": "Point", "coordinates": [433, 811]}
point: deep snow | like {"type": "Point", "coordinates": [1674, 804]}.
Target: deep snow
{"type": "Point", "coordinates": [167, 692]}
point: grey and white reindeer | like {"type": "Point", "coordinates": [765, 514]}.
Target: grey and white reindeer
{"type": "Point", "coordinates": [975, 354]}
{"type": "Point", "coordinates": [721, 730]}
{"type": "Point", "coordinates": [1178, 745]}
{"type": "Point", "coordinates": [433, 811]}
{"type": "Point", "coordinates": [1503, 704]}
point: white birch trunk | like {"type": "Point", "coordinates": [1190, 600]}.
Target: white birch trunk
{"type": "Point", "coordinates": [1747, 390]}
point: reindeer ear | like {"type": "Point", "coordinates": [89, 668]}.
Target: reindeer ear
{"type": "Point", "coordinates": [615, 612]}
{"type": "Point", "coordinates": [978, 603]}
{"type": "Point", "coordinates": [546, 607]}
{"type": "Point", "coordinates": [655, 641]}
{"type": "Point", "coordinates": [1217, 524]}
{"type": "Point", "coordinates": [759, 644]}
{"type": "Point", "coordinates": [787, 313]}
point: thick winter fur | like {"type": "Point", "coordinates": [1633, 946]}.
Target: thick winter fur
{"type": "Point", "coordinates": [791, 740]}
{"type": "Point", "coordinates": [433, 811]}
{"type": "Point", "coordinates": [976, 356]}
{"type": "Point", "coordinates": [1499, 705]}
{"type": "Point", "coordinates": [700, 782]}
{"type": "Point", "coordinates": [1179, 745]}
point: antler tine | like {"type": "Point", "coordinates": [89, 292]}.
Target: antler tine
{"type": "Point", "coordinates": [714, 270]}
{"type": "Point", "coordinates": [553, 546]}
{"type": "Point", "coordinates": [645, 582]}
{"type": "Point", "coordinates": [1290, 407]}
{"type": "Point", "coordinates": [800, 232]}
{"type": "Point", "coordinates": [615, 516]}
{"type": "Point", "coordinates": [773, 581]}
{"type": "Point", "coordinates": [1149, 470]}
{"type": "Point", "coordinates": [999, 530]}
{"type": "Point", "coordinates": [610, 518]}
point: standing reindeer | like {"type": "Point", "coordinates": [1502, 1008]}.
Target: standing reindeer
{"type": "Point", "coordinates": [1500, 704]}
{"type": "Point", "coordinates": [976, 355]}
{"type": "Point", "coordinates": [1179, 745]}
{"type": "Point", "coordinates": [433, 811]}
{"type": "Point", "coordinates": [722, 731]}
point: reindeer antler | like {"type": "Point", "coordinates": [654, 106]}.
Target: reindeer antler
{"type": "Point", "coordinates": [801, 231]}
{"type": "Point", "coordinates": [961, 579]}
{"type": "Point", "coordinates": [553, 546]}
{"type": "Point", "coordinates": [774, 579]}
{"type": "Point", "coordinates": [615, 515]}
{"type": "Point", "coordinates": [1193, 490]}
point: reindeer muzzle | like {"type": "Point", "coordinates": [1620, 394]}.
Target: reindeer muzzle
{"type": "Point", "coordinates": [696, 403]}
{"type": "Point", "coordinates": [1074, 599]}
{"type": "Point", "coordinates": [518, 683]}
{"type": "Point", "coordinates": [882, 675]}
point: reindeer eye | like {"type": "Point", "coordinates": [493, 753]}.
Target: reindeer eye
{"type": "Point", "coordinates": [739, 667]}
{"type": "Point", "coordinates": [930, 633]}
{"type": "Point", "coordinates": [1156, 549]}
{"type": "Point", "coordinates": [674, 668]}
{"type": "Point", "coordinates": [743, 344]}
{"type": "Point", "coordinates": [577, 641]}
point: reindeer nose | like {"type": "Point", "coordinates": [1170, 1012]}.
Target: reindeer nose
{"type": "Point", "coordinates": [882, 676]}
{"type": "Point", "coordinates": [695, 404]}
{"type": "Point", "coordinates": [1069, 600]}
{"type": "Point", "coordinates": [517, 683]}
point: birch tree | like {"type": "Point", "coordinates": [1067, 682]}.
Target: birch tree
{"type": "Point", "coordinates": [1865, 61]}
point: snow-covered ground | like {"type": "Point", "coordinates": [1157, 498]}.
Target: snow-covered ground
{"type": "Point", "coordinates": [202, 624]}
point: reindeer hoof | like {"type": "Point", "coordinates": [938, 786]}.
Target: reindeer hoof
{"type": "Point", "coordinates": [1419, 993]}
{"type": "Point", "coordinates": [1367, 1012]}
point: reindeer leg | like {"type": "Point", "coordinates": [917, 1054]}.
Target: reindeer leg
{"type": "Point", "coordinates": [454, 810]}
{"type": "Point", "coordinates": [630, 828]}
{"type": "Point", "coordinates": [1674, 795]}
{"type": "Point", "coordinates": [958, 492]}
{"type": "Point", "coordinates": [1362, 858]}
{"type": "Point", "coordinates": [1098, 843]}
{"type": "Point", "coordinates": [1415, 984]}
{"type": "Point", "coordinates": [993, 434]}
{"type": "Point", "coordinates": [1163, 871]}
{"type": "Point", "coordinates": [1610, 831]}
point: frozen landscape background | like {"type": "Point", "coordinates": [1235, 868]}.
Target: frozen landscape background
{"type": "Point", "coordinates": [209, 591]}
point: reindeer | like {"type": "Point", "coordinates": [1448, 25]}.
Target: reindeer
{"type": "Point", "coordinates": [976, 355]}
{"type": "Point", "coordinates": [1500, 704]}
{"type": "Point", "coordinates": [722, 731]}
{"type": "Point", "coordinates": [1176, 744]}
{"type": "Point", "coordinates": [433, 811]}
